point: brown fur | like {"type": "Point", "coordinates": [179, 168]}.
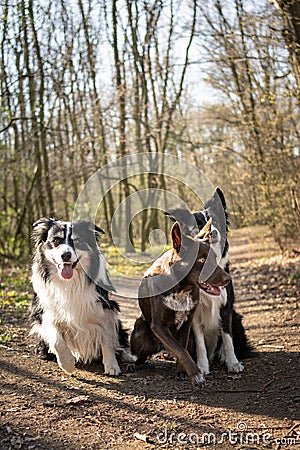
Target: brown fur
{"type": "Point", "coordinates": [168, 281]}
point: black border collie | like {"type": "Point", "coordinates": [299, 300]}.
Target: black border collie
{"type": "Point", "coordinates": [73, 316]}
{"type": "Point", "coordinates": [217, 327]}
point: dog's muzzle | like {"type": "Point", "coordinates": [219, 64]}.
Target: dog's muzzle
{"type": "Point", "coordinates": [65, 269]}
{"type": "Point", "coordinates": [209, 288]}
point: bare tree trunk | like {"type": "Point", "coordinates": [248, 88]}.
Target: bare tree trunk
{"type": "Point", "coordinates": [108, 202]}
{"type": "Point", "coordinates": [42, 131]}
{"type": "Point", "coordinates": [291, 33]}
{"type": "Point", "coordinates": [121, 90]}
{"type": "Point", "coordinates": [32, 101]}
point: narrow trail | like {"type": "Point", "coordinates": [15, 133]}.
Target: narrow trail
{"type": "Point", "coordinates": [42, 408]}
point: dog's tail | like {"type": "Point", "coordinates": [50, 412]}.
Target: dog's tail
{"type": "Point", "coordinates": [123, 350]}
{"type": "Point", "coordinates": [242, 347]}
{"type": "Point", "coordinates": [143, 343]}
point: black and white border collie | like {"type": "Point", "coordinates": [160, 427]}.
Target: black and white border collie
{"type": "Point", "coordinates": [73, 317]}
{"type": "Point", "coordinates": [217, 327]}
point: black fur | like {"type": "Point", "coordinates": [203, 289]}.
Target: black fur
{"type": "Point", "coordinates": [242, 347]}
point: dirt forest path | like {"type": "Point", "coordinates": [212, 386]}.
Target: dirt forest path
{"type": "Point", "coordinates": [42, 408]}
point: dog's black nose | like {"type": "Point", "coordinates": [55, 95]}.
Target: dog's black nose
{"type": "Point", "coordinates": [66, 256]}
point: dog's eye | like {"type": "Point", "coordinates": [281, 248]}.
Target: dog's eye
{"type": "Point", "coordinates": [202, 260]}
{"type": "Point", "coordinates": [57, 241]}
{"type": "Point", "coordinates": [214, 234]}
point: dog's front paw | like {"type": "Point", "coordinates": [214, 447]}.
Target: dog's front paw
{"type": "Point", "coordinates": [127, 357]}
{"type": "Point", "coordinates": [182, 376]}
{"type": "Point", "coordinates": [198, 379]}
{"type": "Point", "coordinates": [204, 368]}
{"type": "Point", "coordinates": [67, 364]}
{"type": "Point", "coordinates": [112, 370]}
{"type": "Point", "coordinates": [236, 368]}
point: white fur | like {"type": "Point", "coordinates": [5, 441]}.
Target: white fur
{"type": "Point", "coordinates": [207, 327]}
{"type": "Point", "coordinates": [228, 355]}
{"type": "Point", "coordinates": [74, 325]}
{"type": "Point", "coordinates": [182, 303]}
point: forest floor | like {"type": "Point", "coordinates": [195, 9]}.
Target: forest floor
{"type": "Point", "coordinates": [43, 408]}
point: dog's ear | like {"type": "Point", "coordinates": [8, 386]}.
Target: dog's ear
{"type": "Point", "coordinates": [181, 215]}
{"type": "Point", "coordinates": [86, 229]}
{"type": "Point", "coordinates": [176, 236]}
{"type": "Point", "coordinates": [217, 201]}
{"type": "Point", "coordinates": [41, 228]}
{"type": "Point", "coordinates": [185, 218]}
{"type": "Point", "coordinates": [170, 216]}
{"type": "Point", "coordinates": [220, 193]}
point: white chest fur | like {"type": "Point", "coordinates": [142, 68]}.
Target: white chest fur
{"type": "Point", "coordinates": [69, 301]}
{"type": "Point", "coordinates": [71, 308]}
{"type": "Point", "coordinates": [208, 311]}
{"type": "Point", "coordinates": [182, 303]}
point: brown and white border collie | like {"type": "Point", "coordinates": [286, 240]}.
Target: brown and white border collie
{"type": "Point", "coordinates": [169, 296]}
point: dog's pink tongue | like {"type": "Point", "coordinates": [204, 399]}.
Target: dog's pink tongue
{"type": "Point", "coordinates": [214, 290]}
{"type": "Point", "coordinates": [66, 271]}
